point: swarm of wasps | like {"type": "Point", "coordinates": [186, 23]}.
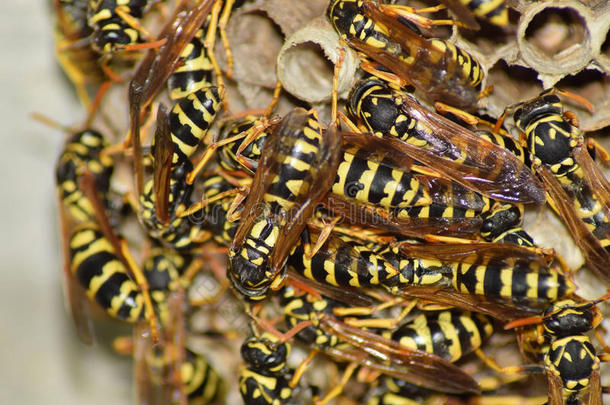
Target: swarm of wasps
{"type": "Point", "coordinates": [394, 248]}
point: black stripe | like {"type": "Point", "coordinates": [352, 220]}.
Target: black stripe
{"type": "Point", "coordinates": [466, 277]}
{"type": "Point", "coordinates": [92, 266]}
{"type": "Point", "coordinates": [519, 285]}
{"type": "Point", "coordinates": [464, 335]}
{"type": "Point", "coordinates": [352, 178]}
{"type": "Point", "coordinates": [440, 342]}
{"type": "Point", "coordinates": [110, 289]}
{"type": "Point", "coordinates": [492, 282]}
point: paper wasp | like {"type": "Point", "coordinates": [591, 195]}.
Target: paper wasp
{"type": "Point", "coordinates": [296, 169]}
{"type": "Point", "coordinates": [78, 61]}
{"type": "Point", "coordinates": [166, 194]}
{"type": "Point", "coordinates": [576, 187]}
{"type": "Point", "coordinates": [570, 360]}
{"type": "Point", "coordinates": [94, 256]}
{"type": "Point", "coordinates": [115, 23]}
{"type": "Point", "coordinates": [444, 146]}
{"type": "Point", "coordinates": [265, 378]}
{"type": "Point", "coordinates": [439, 69]}
{"type": "Point", "coordinates": [345, 343]}
{"type": "Point", "coordinates": [370, 175]}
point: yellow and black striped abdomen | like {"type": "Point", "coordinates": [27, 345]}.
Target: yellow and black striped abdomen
{"type": "Point", "coordinates": [344, 264]}
{"type": "Point", "coordinates": [195, 73]}
{"type": "Point", "coordinates": [82, 152]}
{"type": "Point", "coordinates": [378, 183]}
{"type": "Point", "coordinates": [466, 68]}
{"type": "Point", "coordinates": [494, 11]}
{"type": "Point", "coordinates": [447, 334]}
{"type": "Point", "coordinates": [103, 275]}
{"type": "Point", "coordinates": [522, 283]}
{"type": "Point", "coordinates": [299, 148]}
{"type": "Point", "coordinates": [190, 119]}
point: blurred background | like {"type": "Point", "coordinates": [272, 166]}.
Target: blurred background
{"type": "Point", "coordinates": [42, 359]}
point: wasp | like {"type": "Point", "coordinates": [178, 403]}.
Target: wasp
{"type": "Point", "coordinates": [576, 187]}
{"type": "Point", "coordinates": [358, 346]}
{"type": "Point", "coordinates": [570, 360]}
{"type": "Point", "coordinates": [296, 169]}
{"type": "Point", "coordinates": [98, 260]}
{"type": "Point", "coordinates": [369, 174]}
{"type": "Point", "coordinates": [442, 71]}
{"type": "Point", "coordinates": [115, 23]}
{"type": "Point", "coordinates": [500, 280]}
{"type": "Point", "coordinates": [83, 151]}
{"type": "Point", "coordinates": [156, 67]}
{"type": "Point", "coordinates": [442, 145]}
{"type": "Point", "coordinates": [167, 193]}
{"type": "Point", "coordinates": [78, 61]}
{"type": "Point", "coordinates": [89, 255]}
{"type": "Point", "coordinates": [265, 378]}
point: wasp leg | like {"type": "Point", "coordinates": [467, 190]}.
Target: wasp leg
{"type": "Point", "coordinates": [222, 25]}
{"type": "Point", "coordinates": [248, 136]}
{"type": "Point", "coordinates": [301, 368]}
{"type": "Point", "coordinates": [143, 285]}
{"type": "Point", "coordinates": [598, 150]}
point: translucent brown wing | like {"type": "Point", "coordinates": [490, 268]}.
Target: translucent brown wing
{"type": "Point", "coordinates": [597, 258]}
{"type": "Point", "coordinates": [472, 252]}
{"type": "Point", "coordinates": [369, 216]}
{"type": "Point", "coordinates": [463, 13]}
{"type": "Point", "coordinates": [318, 181]}
{"type": "Point", "coordinates": [497, 308]}
{"type": "Point", "coordinates": [74, 294]}
{"type": "Point", "coordinates": [162, 165]}
{"type": "Point", "coordinates": [555, 389]}
{"type": "Point", "coordinates": [157, 366]}
{"type": "Point", "coordinates": [595, 389]}
{"type": "Point", "coordinates": [389, 357]}
{"type": "Point", "coordinates": [379, 149]}
{"type": "Point", "coordinates": [481, 165]}
{"type": "Point", "coordinates": [431, 70]}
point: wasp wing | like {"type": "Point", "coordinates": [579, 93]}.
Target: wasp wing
{"type": "Point", "coordinates": [463, 13]}
{"type": "Point", "coordinates": [390, 357]}
{"type": "Point", "coordinates": [473, 252]}
{"type": "Point", "coordinates": [503, 310]}
{"type": "Point", "coordinates": [379, 218]}
{"type": "Point", "coordinates": [314, 187]}
{"type": "Point", "coordinates": [163, 149]}
{"type": "Point", "coordinates": [442, 190]}
{"type": "Point", "coordinates": [597, 258]}
{"type": "Point", "coordinates": [75, 298]}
